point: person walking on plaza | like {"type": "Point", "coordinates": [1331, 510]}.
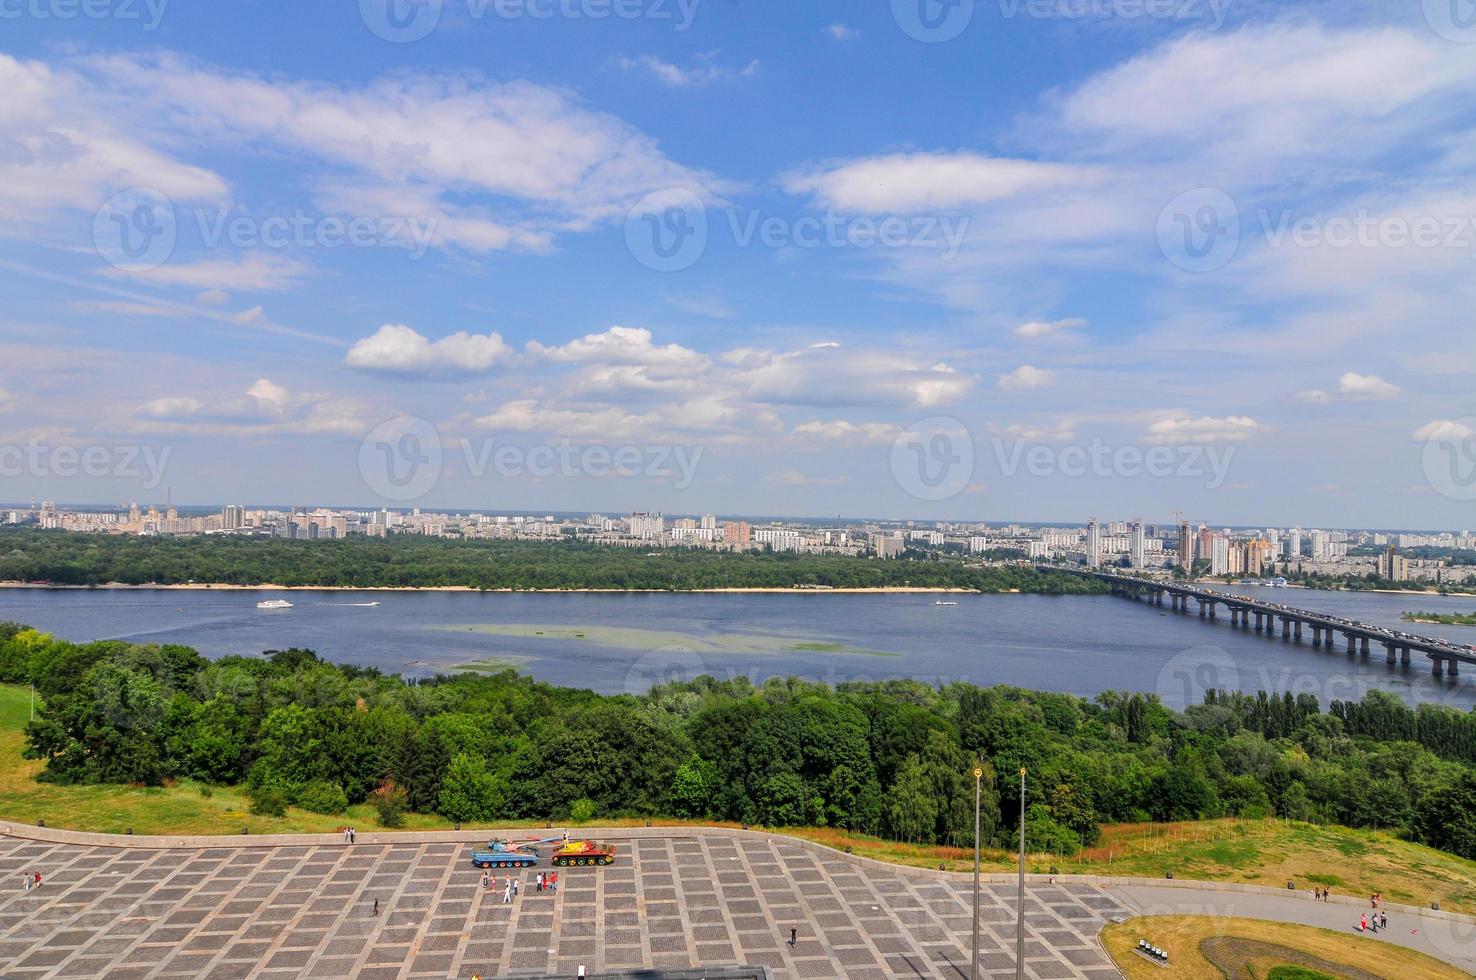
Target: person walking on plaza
{"type": "Point", "coordinates": [1363, 923]}
{"type": "Point", "coordinates": [36, 882]}
{"type": "Point", "coordinates": [793, 938]}
{"type": "Point", "coordinates": [515, 887]}
{"type": "Point", "coordinates": [353, 835]}
{"type": "Point", "coordinates": [581, 970]}
{"type": "Point", "coordinates": [1383, 919]}
{"type": "Point", "coordinates": [556, 880]}
{"type": "Point", "coordinates": [507, 892]}
{"type": "Point", "coordinates": [484, 881]}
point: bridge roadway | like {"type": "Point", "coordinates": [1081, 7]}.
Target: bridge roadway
{"type": "Point", "coordinates": [1445, 656]}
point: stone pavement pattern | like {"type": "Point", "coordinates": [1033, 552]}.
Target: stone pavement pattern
{"type": "Point", "coordinates": [305, 911]}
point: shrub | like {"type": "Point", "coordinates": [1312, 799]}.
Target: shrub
{"type": "Point", "coordinates": [390, 801]}
{"type": "Point", "coordinates": [269, 801]}
{"type": "Point", "coordinates": [321, 796]}
{"type": "Point", "coordinates": [582, 811]}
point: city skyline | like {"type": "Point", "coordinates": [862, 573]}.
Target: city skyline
{"type": "Point", "coordinates": [239, 257]}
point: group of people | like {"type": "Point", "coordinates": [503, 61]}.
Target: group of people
{"type": "Point", "coordinates": [545, 881]}
{"type": "Point", "coordinates": [30, 880]}
{"type": "Point", "coordinates": [1320, 894]}
{"type": "Point", "coordinates": [1373, 923]}
{"type": "Point", "coordinates": [349, 834]}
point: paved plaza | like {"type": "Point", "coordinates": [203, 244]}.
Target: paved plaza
{"type": "Point", "coordinates": [672, 903]}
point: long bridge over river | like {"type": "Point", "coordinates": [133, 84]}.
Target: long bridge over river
{"type": "Point", "coordinates": [1445, 656]}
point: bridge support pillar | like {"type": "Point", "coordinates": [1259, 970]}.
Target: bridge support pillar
{"type": "Point", "coordinates": [1213, 604]}
{"type": "Point", "coordinates": [1352, 644]}
{"type": "Point", "coordinates": [1436, 663]}
{"type": "Point", "coordinates": [1389, 649]}
{"type": "Point", "coordinates": [1317, 636]}
{"type": "Point", "coordinates": [1297, 630]}
{"type": "Point", "coordinates": [1260, 622]}
{"type": "Point", "coordinates": [1452, 666]}
{"type": "Point", "coordinates": [1286, 628]}
{"type": "Point", "coordinates": [1404, 656]}
{"type": "Point", "coordinates": [1363, 647]}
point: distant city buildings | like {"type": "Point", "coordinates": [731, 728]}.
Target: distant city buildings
{"type": "Point", "coordinates": [1146, 548]}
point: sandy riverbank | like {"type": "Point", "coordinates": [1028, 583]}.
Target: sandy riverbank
{"type": "Point", "coordinates": [201, 587]}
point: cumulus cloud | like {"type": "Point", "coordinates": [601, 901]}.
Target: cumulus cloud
{"type": "Point", "coordinates": [1366, 386]}
{"type": "Point", "coordinates": [1025, 377]}
{"type": "Point", "coordinates": [397, 349]}
{"type": "Point", "coordinates": [1444, 430]}
{"type": "Point", "coordinates": [705, 72]}
{"type": "Point", "coordinates": [828, 374]}
{"type": "Point", "coordinates": [264, 408]}
{"type": "Point", "coordinates": [1045, 328]}
{"type": "Point", "coordinates": [1205, 429]}
{"type": "Point", "coordinates": [619, 345]}
{"type": "Point", "coordinates": [912, 182]}
{"type": "Point", "coordinates": [843, 431]}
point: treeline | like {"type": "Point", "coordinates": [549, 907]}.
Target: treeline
{"type": "Point", "coordinates": [890, 758]}
{"type": "Point", "coordinates": [73, 558]}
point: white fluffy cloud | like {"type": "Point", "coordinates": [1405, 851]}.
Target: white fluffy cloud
{"type": "Point", "coordinates": [1366, 386]}
{"type": "Point", "coordinates": [843, 431]}
{"type": "Point", "coordinates": [62, 147]}
{"type": "Point", "coordinates": [912, 182]}
{"type": "Point", "coordinates": [397, 349]}
{"type": "Point", "coordinates": [1046, 328]}
{"type": "Point", "coordinates": [705, 72]}
{"type": "Point", "coordinates": [1205, 429]}
{"type": "Point", "coordinates": [619, 345]}
{"type": "Point", "coordinates": [1444, 430]}
{"type": "Point", "coordinates": [264, 408]}
{"type": "Point", "coordinates": [1025, 377]}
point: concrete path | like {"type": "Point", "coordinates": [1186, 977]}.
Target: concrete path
{"type": "Point", "coordinates": [1451, 940]}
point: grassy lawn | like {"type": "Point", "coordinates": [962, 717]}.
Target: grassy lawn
{"type": "Point", "coordinates": [1265, 852]}
{"type": "Point", "coordinates": [1181, 937]}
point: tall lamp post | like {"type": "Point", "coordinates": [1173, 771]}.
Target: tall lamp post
{"type": "Point", "coordinates": [974, 965]}
{"type": "Point", "coordinates": [1020, 891]}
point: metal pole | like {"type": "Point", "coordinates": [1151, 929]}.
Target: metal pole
{"type": "Point", "coordinates": [1020, 891]}
{"type": "Point", "coordinates": [974, 964]}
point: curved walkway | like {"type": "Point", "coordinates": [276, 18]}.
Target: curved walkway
{"type": "Point", "coordinates": [303, 906]}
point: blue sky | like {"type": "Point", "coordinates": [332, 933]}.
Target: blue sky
{"type": "Point", "coordinates": [994, 260]}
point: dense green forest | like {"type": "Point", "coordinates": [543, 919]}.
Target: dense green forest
{"type": "Point", "coordinates": [891, 758]}
{"type": "Point", "coordinates": [67, 558]}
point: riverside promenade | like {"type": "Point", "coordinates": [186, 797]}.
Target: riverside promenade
{"type": "Point", "coordinates": [676, 899]}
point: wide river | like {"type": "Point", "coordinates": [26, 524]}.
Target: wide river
{"type": "Point", "coordinates": [625, 642]}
